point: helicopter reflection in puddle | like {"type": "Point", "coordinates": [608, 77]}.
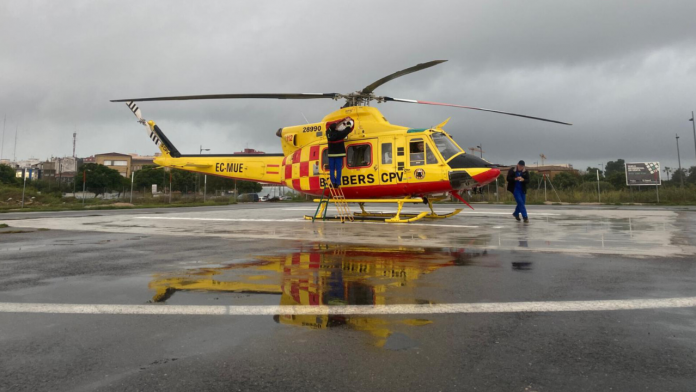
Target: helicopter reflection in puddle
{"type": "Point", "coordinates": [327, 275]}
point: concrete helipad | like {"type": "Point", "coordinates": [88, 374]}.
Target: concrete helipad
{"type": "Point", "coordinates": [253, 297]}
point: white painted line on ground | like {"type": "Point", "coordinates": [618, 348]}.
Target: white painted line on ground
{"type": "Point", "coordinates": [220, 219]}
{"type": "Point", "coordinates": [439, 211]}
{"type": "Point", "coordinates": [499, 307]}
{"type": "Point", "coordinates": [295, 220]}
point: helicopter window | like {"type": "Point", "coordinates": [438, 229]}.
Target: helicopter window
{"type": "Point", "coordinates": [417, 152]}
{"type": "Point", "coordinates": [446, 147]}
{"type": "Point", "coordinates": [430, 157]}
{"type": "Point", "coordinates": [359, 155]}
{"type": "Point", "coordinates": [386, 153]}
{"type": "Point", "coordinates": [325, 159]}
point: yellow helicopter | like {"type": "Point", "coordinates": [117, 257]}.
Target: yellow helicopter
{"type": "Point", "coordinates": [384, 162]}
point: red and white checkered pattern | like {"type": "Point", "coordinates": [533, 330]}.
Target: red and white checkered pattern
{"type": "Point", "coordinates": [301, 170]}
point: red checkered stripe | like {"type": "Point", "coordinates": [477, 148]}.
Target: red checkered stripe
{"type": "Point", "coordinates": [299, 168]}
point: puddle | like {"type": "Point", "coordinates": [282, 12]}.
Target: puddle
{"type": "Point", "coordinates": [329, 275]}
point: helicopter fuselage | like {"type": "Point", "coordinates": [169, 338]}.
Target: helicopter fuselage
{"type": "Point", "coordinates": [382, 160]}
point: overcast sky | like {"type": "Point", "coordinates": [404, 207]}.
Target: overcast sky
{"type": "Point", "coordinates": [623, 72]}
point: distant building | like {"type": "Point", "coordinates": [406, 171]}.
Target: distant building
{"type": "Point", "coordinates": [59, 169]}
{"type": "Point", "coordinates": [248, 151]}
{"type": "Point", "coordinates": [65, 164]}
{"type": "Point", "coordinates": [48, 170]}
{"type": "Point", "coordinates": [31, 162]}
{"type": "Point", "coordinates": [116, 161]}
{"type": "Point", "coordinates": [552, 170]}
{"type": "Point", "coordinates": [138, 161]}
{"type": "Point", "coordinates": [31, 173]}
{"type": "Point", "coordinates": [91, 159]}
{"type": "Point", "coordinates": [28, 168]}
{"type": "Point", "coordinates": [125, 164]}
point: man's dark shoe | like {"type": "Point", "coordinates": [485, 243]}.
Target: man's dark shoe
{"type": "Point", "coordinates": [526, 220]}
{"type": "Point", "coordinates": [517, 217]}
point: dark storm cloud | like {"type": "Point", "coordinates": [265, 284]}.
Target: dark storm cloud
{"type": "Point", "coordinates": [623, 72]}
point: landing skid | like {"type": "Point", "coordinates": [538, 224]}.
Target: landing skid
{"type": "Point", "coordinates": [398, 217]}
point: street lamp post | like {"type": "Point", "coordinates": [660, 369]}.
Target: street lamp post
{"type": "Point", "coordinates": [200, 152]}
{"type": "Point", "coordinates": [480, 147]}
{"type": "Point", "coordinates": [693, 125]}
{"type": "Point", "coordinates": [599, 191]}
{"type": "Point", "coordinates": [24, 188]}
{"type": "Point", "coordinates": [681, 174]}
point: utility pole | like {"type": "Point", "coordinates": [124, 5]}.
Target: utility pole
{"type": "Point", "coordinates": [132, 181]}
{"type": "Point", "coordinates": [25, 185]}
{"type": "Point", "coordinates": [170, 186]}
{"type": "Point", "coordinates": [60, 175]}
{"type": "Point", "coordinates": [205, 186]}
{"type": "Point", "coordinates": [84, 184]}
{"type": "Point", "coordinates": [681, 174]}
{"type": "Point", "coordinates": [200, 152]}
{"type": "Point", "coordinates": [74, 141]}
{"type": "Point", "coordinates": [543, 157]}
{"type": "Point", "coordinates": [599, 191]}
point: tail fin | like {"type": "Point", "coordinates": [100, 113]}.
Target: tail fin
{"type": "Point", "coordinates": [155, 133]}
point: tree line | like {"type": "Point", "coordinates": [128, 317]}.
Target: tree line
{"type": "Point", "coordinates": [612, 178]}
{"type": "Point", "coordinates": [100, 179]}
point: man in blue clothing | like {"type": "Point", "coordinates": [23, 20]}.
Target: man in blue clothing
{"type": "Point", "coordinates": [336, 133]}
{"type": "Point", "coordinates": [517, 180]}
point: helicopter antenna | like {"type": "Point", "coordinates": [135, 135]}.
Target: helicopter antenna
{"type": "Point", "coordinates": [305, 118]}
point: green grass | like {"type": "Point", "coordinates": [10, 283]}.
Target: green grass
{"type": "Point", "coordinates": [10, 201]}
{"type": "Point", "coordinates": [4, 225]}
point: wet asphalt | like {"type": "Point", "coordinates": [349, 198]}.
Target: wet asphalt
{"type": "Point", "coordinates": [622, 350]}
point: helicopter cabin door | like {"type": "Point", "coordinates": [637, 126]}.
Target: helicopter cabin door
{"type": "Point", "coordinates": [359, 167]}
{"type": "Point", "coordinates": [422, 166]}
{"type": "Point", "coordinates": [391, 164]}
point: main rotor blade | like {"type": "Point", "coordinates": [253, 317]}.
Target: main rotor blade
{"type": "Point", "coordinates": [395, 75]}
{"type": "Point", "coordinates": [235, 96]}
{"type": "Point", "coordinates": [470, 107]}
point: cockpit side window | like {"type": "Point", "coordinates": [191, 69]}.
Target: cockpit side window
{"type": "Point", "coordinates": [416, 148]}
{"type": "Point", "coordinates": [446, 147]}
{"type": "Point", "coordinates": [430, 157]}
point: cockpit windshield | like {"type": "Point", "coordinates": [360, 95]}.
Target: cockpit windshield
{"type": "Point", "coordinates": [446, 147]}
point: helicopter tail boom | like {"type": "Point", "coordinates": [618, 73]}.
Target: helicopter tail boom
{"type": "Point", "coordinates": [251, 167]}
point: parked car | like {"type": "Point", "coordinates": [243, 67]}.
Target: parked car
{"type": "Point", "coordinates": [248, 198]}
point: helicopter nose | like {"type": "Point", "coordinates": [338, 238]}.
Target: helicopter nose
{"type": "Point", "coordinates": [472, 177]}
{"type": "Point", "coordinates": [486, 176]}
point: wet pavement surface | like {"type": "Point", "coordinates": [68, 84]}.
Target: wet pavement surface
{"type": "Point", "coordinates": [266, 256]}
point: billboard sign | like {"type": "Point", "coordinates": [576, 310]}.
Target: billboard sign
{"type": "Point", "coordinates": [643, 173]}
